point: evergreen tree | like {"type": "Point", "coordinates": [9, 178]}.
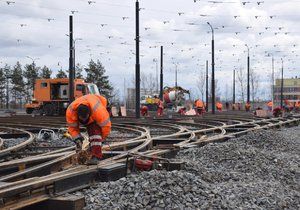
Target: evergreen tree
{"type": "Point", "coordinates": [2, 87]}
{"type": "Point", "coordinates": [78, 71]}
{"type": "Point", "coordinates": [46, 73]}
{"type": "Point", "coordinates": [7, 73]}
{"type": "Point", "coordinates": [18, 84]}
{"type": "Point", "coordinates": [96, 74]}
{"type": "Point", "coordinates": [61, 74]}
{"type": "Point", "coordinates": [31, 73]}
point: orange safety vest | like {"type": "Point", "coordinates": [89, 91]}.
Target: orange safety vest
{"type": "Point", "coordinates": [219, 105]}
{"type": "Point", "coordinates": [270, 104]}
{"type": "Point", "coordinates": [199, 104]}
{"type": "Point", "coordinates": [99, 115]}
{"type": "Point", "coordinates": [248, 105]}
{"type": "Point", "coordinates": [297, 105]}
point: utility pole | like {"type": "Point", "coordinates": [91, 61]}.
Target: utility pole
{"type": "Point", "coordinates": [156, 74]}
{"type": "Point", "coordinates": [206, 107]}
{"type": "Point", "coordinates": [74, 61]}
{"type": "Point", "coordinates": [71, 61]}
{"type": "Point", "coordinates": [175, 75]}
{"type": "Point", "coordinates": [233, 96]}
{"type": "Point", "coordinates": [137, 65]}
{"type": "Point", "coordinates": [281, 100]}
{"type": "Point", "coordinates": [161, 72]}
{"type": "Point", "coordinates": [213, 105]}
{"type": "Point", "coordinates": [248, 74]}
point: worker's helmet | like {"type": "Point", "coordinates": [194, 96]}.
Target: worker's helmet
{"type": "Point", "coordinates": [83, 113]}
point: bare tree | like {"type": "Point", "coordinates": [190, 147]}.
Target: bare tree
{"type": "Point", "coordinates": [200, 83]}
{"type": "Point", "coordinates": [148, 83]}
{"type": "Point", "coordinates": [217, 90]}
{"type": "Point", "coordinates": [241, 81]}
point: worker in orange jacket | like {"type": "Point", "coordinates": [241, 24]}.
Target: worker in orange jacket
{"type": "Point", "coordinates": [270, 105]}
{"type": "Point", "coordinates": [247, 106]}
{"type": "Point", "coordinates": [199, 106]}
{"type": "Point", "coordinates": [219, 106]}
{"type": "Point", "coordinates": [297, 106]}
{"type": "Point", "coordinates": [89, 111]}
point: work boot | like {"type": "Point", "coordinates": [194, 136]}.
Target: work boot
{"type": "Point", "coordinates": [93, 161]}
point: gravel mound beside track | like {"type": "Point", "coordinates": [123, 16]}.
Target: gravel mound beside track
{"type": "Point", "coordinates": [256, 171]}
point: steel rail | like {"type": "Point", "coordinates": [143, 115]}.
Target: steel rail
{"type": "Point", "coordinates": [17, 147]}
{"type": "Point", "coordinates": [191, 138]}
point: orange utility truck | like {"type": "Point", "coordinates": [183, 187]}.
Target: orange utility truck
{"type": "Point", "coordinates": [51, 96]}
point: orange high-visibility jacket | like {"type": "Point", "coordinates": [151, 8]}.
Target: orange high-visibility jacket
{"type": "Point", "coordinates": [199, 104]}
{"type": "Point", "coordinates": [219, 105]}
{"type": "Point", "coordinates": [247, 105]}
{"type": "Point", "coordinates": [270, 104]}
{"type": "Point", "coordinates": [99, 114]}
{"type": "Point", "coordinates": [297, 105]}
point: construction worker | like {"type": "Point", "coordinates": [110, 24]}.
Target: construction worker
{"type": "Point", "coordinates": [199, 106]}
{"type": "Point", "coordinates": [270, 105]}
{"type": "Point", "coordinates": [160, 107]}
{"type": "Point", "coordinates": [247, 106]}
{"type": "Point", "coordinates": [287, 106]}
{"type": "Point", "coordinates": [89, 111]}
{"type": "Point", "coordinates": [277, 112]}
{"type": "Point", "coordinates": [297, 106]}
{"type": "Point", "coordinates": [234, 106]}
{"type": "Point", "coordinates": [219, 106]}
{"type": "Point", "coordinates": [144, 111]}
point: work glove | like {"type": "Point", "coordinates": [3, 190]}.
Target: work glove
{"type": "Point", "coordinates": [78, 141]}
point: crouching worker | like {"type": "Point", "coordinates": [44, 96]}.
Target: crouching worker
{"type": "Point", "coordinates": [144, 111]}
{"type": "Point", "coordinates": [89, 111]}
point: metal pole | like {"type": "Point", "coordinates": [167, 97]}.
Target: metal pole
{"type": "Point", "coordinates": [281, 100]}
{"type": "Point", "coordinates": [156, 63]}
{"type": "Point", "coordinates": [137, 65]}
{"type": "Point", "coordinates": [233, 96]}
{"type": "Point", "coordinates": [206, 86]}
{"type": "Point", "coordinates": [71, 60]}
{"type": "Point", "coordinates": [213, 100]}
{"type": "Point", "coordinates": [248, 75]}
{"type": "Point", "coordinates": [272, 83]}
{"type": "Point", "coordinates": [74, 65]}
{"type": "Point", "coordinates": [161, 72]}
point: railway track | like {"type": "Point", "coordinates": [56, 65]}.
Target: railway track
{"type": "Point", "coordinates": [27, 178]}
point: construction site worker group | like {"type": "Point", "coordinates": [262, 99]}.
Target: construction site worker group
{"type": "Point", "coordinates": [91, 112]}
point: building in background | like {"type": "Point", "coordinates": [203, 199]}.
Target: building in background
{"type": "Point", "coordinates": [291, 89]}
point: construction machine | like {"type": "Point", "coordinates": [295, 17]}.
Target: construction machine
{"type": "Point", "coordinates": [174, 96]}
{"type": "Point", "coordinates": [150, 101]}
{"type": "Point", "coordinates": [51, 96]}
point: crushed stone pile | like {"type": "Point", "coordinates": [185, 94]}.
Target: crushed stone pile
{"type": "Point", "coordinates": [256, 171]}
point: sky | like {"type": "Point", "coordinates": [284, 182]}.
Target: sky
{"type": "Point", "coordinates": [105, 30]}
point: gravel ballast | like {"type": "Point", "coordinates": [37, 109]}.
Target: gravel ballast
{"type": "Point", "coordinates": [256, 171]}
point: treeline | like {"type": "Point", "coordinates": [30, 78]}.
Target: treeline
{"type": "Point", "coordinates": [18, 81]}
